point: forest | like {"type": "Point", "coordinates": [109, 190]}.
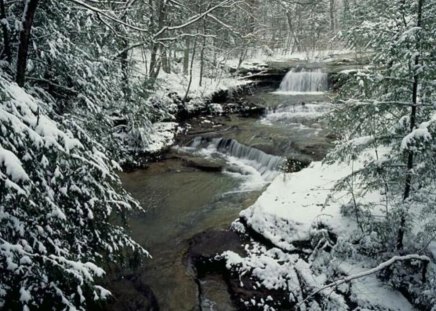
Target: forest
{"type": "Point", "coordinates": [218, 155]}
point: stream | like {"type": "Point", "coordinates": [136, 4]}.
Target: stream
{"type": "Point", "coordinates": [220, 166]}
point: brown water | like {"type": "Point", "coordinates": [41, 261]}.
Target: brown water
{"type": "Point", "coordinates": [183, 201]}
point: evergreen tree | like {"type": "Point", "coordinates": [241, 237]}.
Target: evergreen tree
{"type": "Point", "coordinates": [386, 116]}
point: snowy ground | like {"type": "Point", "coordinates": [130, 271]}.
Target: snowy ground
{"type": "Point", "coordinates": [291, 211]}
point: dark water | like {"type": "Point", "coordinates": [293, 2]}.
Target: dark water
{"type": "Point", "coordinates": [181, 202]}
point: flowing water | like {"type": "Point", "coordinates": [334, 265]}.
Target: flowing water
{"type": "Point", "coordinates": [182, 201]}
{"type": "Point", "coordinates": [304, 82]}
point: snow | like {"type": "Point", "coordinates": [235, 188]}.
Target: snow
{"type": "Point", "coordinates": [259, 58]}
{"type": "Point", "coordinates": [41, 164]}
{"type": "Point", "coordinates": [162, 136]}
{"type": "Point", "coordinates": [370, 291]}
{"type": "Point", "coordinates": [290, 210]}
{"type": "Point", "coordinates": [13, 165]}
{"type": "Point", "coordinates": [419, 134]}
{"type": "Point", "coordinates": [217, 79]}
{"type": "Point", "coordinates": [364, 140]}
{"type": "Point", "coordinates": [273, 267]}
{"type": "Point", "coordinates": [176, 82]}
{"type": "Point", "coordinates": [25, 295]}
{"type": "Point", "coordinates": [295, 202]}
{"type": "Point", "coordinates": [214, 80]}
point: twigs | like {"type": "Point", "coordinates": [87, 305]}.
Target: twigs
{"type": "Point", "coordinates": [380, 267]}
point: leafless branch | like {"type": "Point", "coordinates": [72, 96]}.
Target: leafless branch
{"type": "Point", "coordinates": [380, 267]}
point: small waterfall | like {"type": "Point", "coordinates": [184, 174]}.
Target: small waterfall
{"type": "Point", "coordinates": [304, 81]}
{"type": "Point", "coordinates": [295, 113]}
{"type": "Point", "coordinates": [264, 163]}
{"type": "Point", "coordinates": [254, 165]}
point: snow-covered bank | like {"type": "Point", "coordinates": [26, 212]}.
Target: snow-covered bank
{"type": "Point", "coordinates": [303, 221]}
{"type": "Point", "coordinates": [167, 114]}
{"type": "Point", "coordinates": [294, 203]}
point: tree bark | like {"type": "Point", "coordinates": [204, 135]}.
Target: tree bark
{"type": "Point", "coordinates": [332, 15]}
{"type": "Point", "coordinates": [296, 42]}
{"type": "Point", "coordinates": [125, 70]}
{"type": "Point", "coordinates": [155, 65]}
{"type": "Point", "coordinates": [203, 47]}
{"type": "Point", "coordinates": [410, 154]}
{"type": "Point", "coordinates": [23, 47]}
{"type": "Point", "coordinates": [190, 69]}
{"type": "Point", "coordinates": [165, 61]}
{"type": "Point", "coordinates": [6, 53]}
{"type": "Point", "coordinates": [186, 56]}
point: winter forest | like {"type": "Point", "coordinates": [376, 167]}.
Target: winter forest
{"type": "Point", "coordinates": [218, 155]}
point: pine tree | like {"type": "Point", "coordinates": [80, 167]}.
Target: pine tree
{"type": "Point", "coordinates": [386, 116]}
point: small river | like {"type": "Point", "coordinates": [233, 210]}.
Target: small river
{"type": "Point", "coordinates": [182, 200]}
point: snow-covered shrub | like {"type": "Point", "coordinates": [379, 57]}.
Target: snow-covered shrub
{"type": "Point", "coordinates": [58, 190]}
{"type": "Point", "coordinates": [137, 126]}
{"type": "Point", "coordinates": [74, 68]}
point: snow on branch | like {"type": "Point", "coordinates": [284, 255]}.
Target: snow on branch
{"type": "Point", "coordinates": [105, 14]}
{"type": "Point", "coordinates": [362, 274]}
{"type": "Point", "coordinates": [193, 19]}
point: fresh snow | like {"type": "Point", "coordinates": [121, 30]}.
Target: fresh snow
{"type": "Point", "coordinates": [162, 136]}
{"type": "Point", "coordinates": [289, 211]}
{"type": "Point", "coordinates": [13, 165]}
{"type": "Point", "coordinates": [293, 203]}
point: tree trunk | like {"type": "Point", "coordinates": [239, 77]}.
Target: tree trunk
{"type": "Point", "coordinates": [190, 69]}
{"type": "Point", "coordinates": [23, 47]}
{"type": "Point", "coordinates": [203, 47]}
{"type": "Point", "coordinates": [242, 56]}
{"type": "Point", "coordinates": [332, 15]}
{"type": "Point", "coordinates": [165, 61]}
{"type": "Point", "coordinates": [125, 70]}
{"type": "Point", "coordinates": [6, 53]}
{"type": "Point", "coordinates": [296, 43]}
{"type": "Point", "coordinates": [156, 64]}
{"type": "Point", "coordinates": [410, 154]}
{"type": "Point", "coordinates": [186, 56]}
{"type": "Point", "coordinates": [153, 60]}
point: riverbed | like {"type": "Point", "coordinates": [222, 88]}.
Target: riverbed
{"type": "Point", "coordinates": [183, 199]}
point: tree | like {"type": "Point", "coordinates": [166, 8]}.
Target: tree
{"type": "Point", "coordinates": [387, 119]}
{"type": "Point", "coordinates": [58, 190]}
{"type": "Point", "coordinates": [23, 47]}
{"type": "Point", "coordinates": [57, 196]}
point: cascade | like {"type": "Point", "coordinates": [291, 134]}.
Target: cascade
{"type": "Point", "coordinates": [304, 81]}
{"type": "Point", "coordinates": [265, 164]}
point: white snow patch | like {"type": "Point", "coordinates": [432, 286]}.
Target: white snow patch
{"type": "Point", "coordinates": [293, 202]}
{"type": "Point", "coordinates": [162, 136]}
{"type": "Point", "coordinates": [12, 165]}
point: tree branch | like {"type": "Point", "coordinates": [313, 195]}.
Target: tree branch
{"type": "Point", "coordinates": [380, 267]}
{"type": "Point", "coordinates": [105, 14]}
{"type": "Point", "coordinates": [192, 20]}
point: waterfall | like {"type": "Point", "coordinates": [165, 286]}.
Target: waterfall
{"type": "Point", "coordinates": [256, 167]}
{"type": "Point", "coordinates": [304, 81]}
{"type": "Point", "coordinates": [264, 163]}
